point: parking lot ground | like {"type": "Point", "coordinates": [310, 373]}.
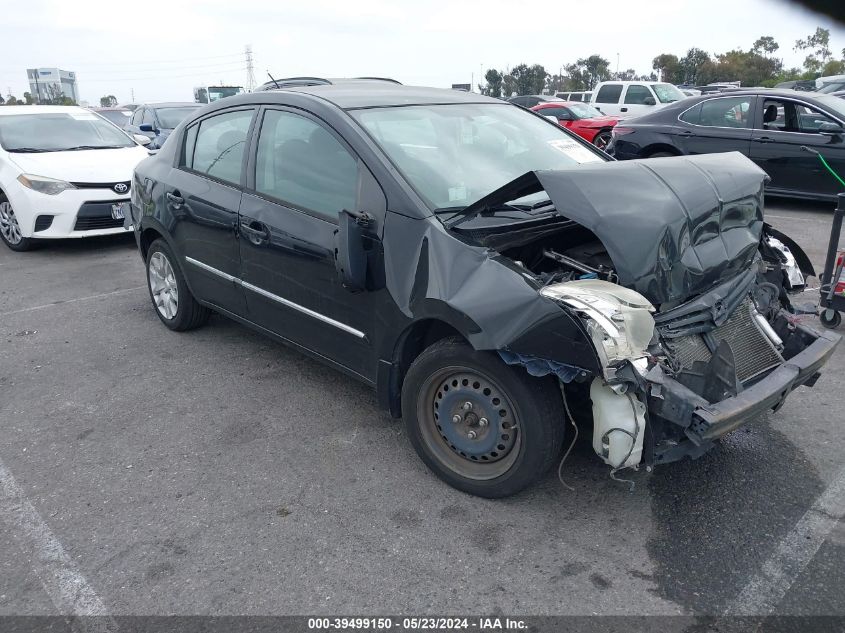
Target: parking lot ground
{"type": "Point", "coordinates": [217, 472]}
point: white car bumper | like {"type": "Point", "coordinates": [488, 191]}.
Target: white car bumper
{"type": "Point", "coordinates": [69, 214]}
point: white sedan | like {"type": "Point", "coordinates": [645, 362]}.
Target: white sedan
{"type": "Point", "coordinates": [64, 172]}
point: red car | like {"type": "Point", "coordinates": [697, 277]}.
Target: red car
{"type": "Point", "coordinates": [582, 118]}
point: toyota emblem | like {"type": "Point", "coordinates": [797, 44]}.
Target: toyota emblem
{"type": "Point", "coordinates": [121, 187]}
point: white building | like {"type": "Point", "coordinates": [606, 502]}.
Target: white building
{"type": "Point", "coordinates": [46, 84]}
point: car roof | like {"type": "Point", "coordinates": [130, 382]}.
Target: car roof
{"type": "Point", "coordinates": [115, 108]}
{"type": "Point", "coordinates": [40, 109]}
{"type": "Point", "coordinates": [170, 104]}
{"type": "Point", "coordinates": [364, 94]}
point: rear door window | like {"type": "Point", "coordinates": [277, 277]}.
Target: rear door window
{"type": "Point", "coordinates": [220, 145]}
{"type": "Point", "coordinates": [609, 93]}
{"type": "Point", "coordinates": [637, 94]}
{"type": "Point", "coordinates": [726, 112]}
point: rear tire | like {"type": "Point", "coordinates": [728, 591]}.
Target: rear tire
{"type": "Point", "coordinates": [661, 155]}
{"type": "Point", "coordinates": [509, 435]}
{"type": "Point", "coordinates": [10, 230]}
{"type": "Point", "coordinates": [172, 299]}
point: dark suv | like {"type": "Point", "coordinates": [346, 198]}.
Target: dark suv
{"type": "Point", "coordinates": [491, 275]}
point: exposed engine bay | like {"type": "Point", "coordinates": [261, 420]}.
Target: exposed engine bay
{"type": "Point", "coordinates": [685, 297]}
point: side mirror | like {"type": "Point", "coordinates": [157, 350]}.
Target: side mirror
{"type": "Point", "coordinates": [649, 101]}
{"type": "Point", "coordinates": [349, 253]}
{"type": "Point", "coordinates": [830, 129]}
{"type": "Point", "coordinates": [142, 139]}
{"type": "Point", "coordinates": [146, 127]}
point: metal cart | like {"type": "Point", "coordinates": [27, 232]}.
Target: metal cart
{"type": "Point", "coordinates": [832, 288]}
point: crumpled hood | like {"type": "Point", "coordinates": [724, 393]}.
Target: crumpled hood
{"type": "Point", "coordinates": [98, 165]}
{"type": "Point", "coordinates": [673, 227]}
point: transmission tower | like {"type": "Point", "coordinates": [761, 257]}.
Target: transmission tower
{"type": "Point", "coordinates": [250, 69]}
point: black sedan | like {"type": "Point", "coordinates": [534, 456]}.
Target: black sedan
{"type": "Point", "coordinates": [774, 128]}
{"type": "Point", "coordinates": [483, 269]}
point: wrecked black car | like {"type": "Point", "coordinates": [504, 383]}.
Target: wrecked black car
{"type": "Point", "coordinates": [496, 279]}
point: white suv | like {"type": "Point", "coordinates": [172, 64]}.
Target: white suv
{"type": "Point", "coordinates": [633, 98]}
{"type": "Point", "coordinates": [64, 172]}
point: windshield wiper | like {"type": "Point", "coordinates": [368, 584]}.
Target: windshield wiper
{"type": "Point", "coordinates": [82, 147]}
{"type": "Point", "coordinates": [29, 150]}
{"type": "Point", "coordinates": [532, 210]}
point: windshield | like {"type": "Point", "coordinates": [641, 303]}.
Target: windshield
{"type": "Point", "coordinates": [169, 118]}
{"type": "Point", "coordinates": [119, 117]}
{"type": "Point", "coordinates": [834, 104]}
{"type": "Point", "coordinates": [59, 131]}
{"type": "Point", "coordinates": [220, 92]}
{"type": "Point", "coordinates": [584, 110]}
{"type": "Point", "coordinates": [667, 93]}
{"type": "Point", "coordinates": [456, 154]}
{"type": "Point", "coordinates": [833, 86]}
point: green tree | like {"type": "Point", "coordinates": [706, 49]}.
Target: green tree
{"type": "Point", "coordinates": [2, 100]}
{"type": "Point", "coordinates": [494, 82]}
{"type": "Point", "coordinates": [528, 79]}
{"type": "Point", "coordinates": [819, 46]}
{"type": "Point", "coordinates": [11, 100]}
{"type": "Point", "coordinates": [669, 68]}
{"type": "Point", "coordinates": [109, 101]}
{"type": "Point", "coordinates": [765, 45]}
{"type": "Point", "coordinates": [692, 64]}
{"type": "Point", "coordinates": [596, 69]}
{"type": "Point", "coordinates": [27, 98]}
{"type": "Point", "coordinates": [575, 78]}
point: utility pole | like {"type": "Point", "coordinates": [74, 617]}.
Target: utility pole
{"type": "Point", "coordinates": [250, 69]}
{"type": "Point", "coordinates": [132, 92]}
{"type": "Point", "coordinates": [617, 65]}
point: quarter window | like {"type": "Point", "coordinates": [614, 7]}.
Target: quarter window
{"type": "Point", "coordinates": [609, 94]}
{"type": "Point", "coordinates": [220, 145]}
{"type": "Point", "coordinates": [301, 163]}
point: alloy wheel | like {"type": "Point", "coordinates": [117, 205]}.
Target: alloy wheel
{"type": "Point", "coordinates": [163, 286]}
{"type": "Point", "coordinates": [9, 227]}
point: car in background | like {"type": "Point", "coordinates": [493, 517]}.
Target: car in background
{"type": "Point", "coordinates": [574, 96]}
{"type": "Point", "coordinates": [581, 118]}
{"type": "Point", "coordinates": [633, 98]}
{"type": "Point", "coordinates": [774, 128]}
{"type": "Point", "coordinates": [802, 85]}
{"type": "Point", "coordinates": [158, 120]}
{"type": "Point", "coordinates": [118, 115]}
{"type": "Point", "coordinates": [529, 101]}
{"type": "Point", "coordinates": [64, 173]}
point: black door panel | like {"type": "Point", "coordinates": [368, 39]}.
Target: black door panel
{"type": "Point", "coordinates": [204, 227]}
{"type": "Point", "coordinates": [292, 287]}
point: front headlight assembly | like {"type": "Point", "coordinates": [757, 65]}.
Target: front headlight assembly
{"type": "Point", "coordinates": [42, 184]}
{"type": "Point", "coordinates": [618, 320]}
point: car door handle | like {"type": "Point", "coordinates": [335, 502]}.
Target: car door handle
{"type": "Point", "coordinates": [624, 110]}
{"type": "Point", "coordinates": [687, 134]}
{"type": "Point", "coordinates": [255, 235]}
{"type": "Point", "coordinates": [175, 199]}
{"type": "Point", "coordinates": [764, 139]}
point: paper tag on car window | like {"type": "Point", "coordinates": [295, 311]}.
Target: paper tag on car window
{"type": "Point", "coordinates": [574, 150]}
{"type": "Point", "coordinates": [83, 116]}
{"type": "Point", "coordinates": [457, 193]}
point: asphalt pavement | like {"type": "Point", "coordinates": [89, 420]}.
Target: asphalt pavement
{"type": "Point", "coordinates": [217, 472]}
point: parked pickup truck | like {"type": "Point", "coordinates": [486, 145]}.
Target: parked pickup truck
{"type": "Point", "coordinates": [633, 98]}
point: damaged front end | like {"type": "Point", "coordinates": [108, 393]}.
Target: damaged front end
{"type": "Point", "coordinates": [682, 289]}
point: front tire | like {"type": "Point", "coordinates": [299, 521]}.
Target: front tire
{"type": "Point", "coordinates": [172, 299]}
{"type": "Point", "coordinates": [661, 155]}
{"type": "Point", "coordinates": [10, 230]}
{"type": "Point", "coordinates": [602, 140]}
{"type": "Point", "coordinates": [482, 426]}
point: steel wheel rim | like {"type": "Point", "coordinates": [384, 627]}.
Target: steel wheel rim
{"type": "Point", "coordinates": [495, 447]}
{"type": "Point", "coordinates": [9, 227]}
{"type": "Point", "coordinates": [163, 287]}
